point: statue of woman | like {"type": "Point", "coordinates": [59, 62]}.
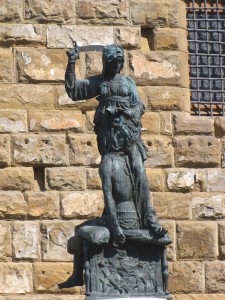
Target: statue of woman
{"type": "Point", "coordinates": [117, 124]}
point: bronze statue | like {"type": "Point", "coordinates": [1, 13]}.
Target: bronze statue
{"type": "Point", "coordinates": [128, 213]}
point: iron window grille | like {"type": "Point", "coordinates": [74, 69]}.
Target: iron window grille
{"type": "Point", "coordinates": [206, 37]}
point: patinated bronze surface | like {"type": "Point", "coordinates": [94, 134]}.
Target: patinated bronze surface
{"type": "Point", "coordinates": [128, 219]}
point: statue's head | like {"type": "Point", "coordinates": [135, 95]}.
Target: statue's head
{"type": "Point", "coordinates": [112, 58]}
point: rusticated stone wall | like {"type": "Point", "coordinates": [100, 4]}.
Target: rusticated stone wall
{"type": "Point", "coordinates": [48, 156]}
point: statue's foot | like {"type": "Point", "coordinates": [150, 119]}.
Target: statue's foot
{"type": "Point", "coordinates": [71, 282]}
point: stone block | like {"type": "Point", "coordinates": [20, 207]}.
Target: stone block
{"type": "Point", "coordinates": [12, 205]}
{"type": "Point", "coordinates": [171, 249]}
{"type": "Point", "coordinates": [220, 126]}
{"type": "Point", "coordinates": [83, 150]}
{"type": "Point", "coordinates": [172, 205]}
{"type": "Point", "coordinates": [54, 237]}
{"type": "Point", "coordinates": [30, 96]}
{"type": "Point", "coordinates": [196, 240]}
{"type": "Point", "coordinates": [151, 123]}
{"type": "Point", "coordinates": [158, 13]}
{"type": "Point", "coordinates": [13, 121]}
{"type": "Point", "coordinates": [11, 11]}
{"type": "Point", "coordinates": [166, 126]}
{"type": "Point", "coordinates": [66, 179]}
{"type": "Point", "coordinates": [44, 205]}
{"type": "Point", "coordinates": [5, 241]}
{"type": "Point", "coordinates": [197, 151]}
{"type": "Point", "coordinates": [39, 150]}
{"type": "Point", "coordinates": [184, 180]}
{"type": "Point", "coordinates": [90, 121]}
{"type": "Point", "coordinates": [128, 37]}
{"type": "Point", "coordinates": [170, 39]}
{"type": "Point", "coordinates": [16, 278]}
{"type": "Point", "coordinates": [42, 65]}
{"type": "Point", "coordinates": [215, 180]}
{"type": "Point", "coordinates": [214, 277]}
{"type": "Point", "coordinates": [186, 277]}
{"type": "Point", "coordinates": [82, 205]}
{"type": "Point", "coordinates": [22, 34]}
{"type": "Point", "coordinates": [4, 150]}
{"type": "Point", "coordinates": [99, 12]}
{"type": "Point", "coordinates": [26, 238]}
{"type": "Point", "coordinates": [167, 98]}
{"type": "Point", "coordinates": [158, 68]}
{"type": "Point", "coordinates": [56, 121]}
{"type": "Point", "coordinates": [221, 229]}
{"type": "Point", "coordinates": [64, 102]}
{"type": "Point", "coordinates": [48, 275]}
{"type": "Point", "coordinates": [93, 179]}
{"type": "Point", "coordinates": [159, 151]}
{"type": "Point", "coordinates": [62, 11]}
{"type": "Point", "coordinates": [185, 124]}
{"type": "Point", "coordinates": [94, 65]}
{"type": "Point", "coordinates": [62, 36]}
{"type": "Point", "coordinates": [156, 179]}
{"type": "Point", "coordinates": [200, 297]}
{"type": "Point", "coordinates": [6, 65]}
{"type": "Point", "coordinates": [208, 206]}
{"type": "Point", "coordinates": [16, 179]}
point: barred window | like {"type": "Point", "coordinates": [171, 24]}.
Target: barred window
{"type": "Point", "coordinates": [206, 37]}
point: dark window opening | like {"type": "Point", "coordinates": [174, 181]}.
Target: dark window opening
{"type": "Point", "coordinates": [206, 37]}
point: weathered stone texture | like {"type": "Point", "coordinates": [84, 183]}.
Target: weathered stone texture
{"type": "Point", "coordinates": [26, 240]}
{"type": "Point", "coordinates": [196, 240]}
{"type": "Point", "coordinates": [170, 39]}
{"type": "Point", "coordinates": [41, 65]}
{"type": "Point", "coordinates": [158, 68]}
{"type": "Point", "coordinates": [82, 205]}
{"type": "Point", "coordinates": [5, 241]}
{"type": "Point", "coordinates": [50, 11]}
{"type": "Point", "coordinates": [101, 12]}
{"type": "Point", "coordinates": [166, 126]}
{"type": "Point", "coordinates": [167, 98]}
{"type": "Point", "coordinates": [13, 121]}
{"type": "Point", "coordinates": [22, 34]}
{"type": "Point", "coordinates": [21, 179]}
{"type": "Point", "coordinates": [12, 205]}
{"type": "Point", "coordinates": [185, 179]}
{"type": "Point", "coordinates": [184, 124]}
{"type": "Point", "coordinates": [93, 179]}
{"type": "Point", "coordinates": [56, 121]}
{"type": "Point", "coordinates": [64, 102]}
{"type": "Point", "coordinates": [221, 229]}
{"type": "Point", "coordinates": [43, 205]}
{"type": "Point", "coordinates": [48, 275]}
{"type": "Point", "coordinates": [158, 13]}
{"type": "Point", "coordinates": [200, 297]}
{"type": "Point", "coordinates": [4, 151]}
{"type": "Point", "coordinates": [94, 65]}
{"type": "Point", "coordinates": [171, 249]}
{"type": "Point", "coordinates": [196, 151]}
{"type": "Point", "coordinates": [6, 65]}
{"type": "Point", "coordinates": [62, 36]}
{"type": "Point", "coordinates": [215, 180]}
{"type": "Point", "coordinates": [66, 179]}
{"type": "Point", "coordinates": [54, 237]}
{"type": "Point", "coordinates": [208, 206]}
{"type": "Point", "coordinates": [214, 277]}
{"type": "Point", "coordinates": [159, 151]}
{"type": "Point", "coordinates": [128, 37]}
{"type": "Point", "coordinates": [16, 278]}
{"type": "Point", "coordinates": [11, 11]}
{"type": "Point", "coordinates": [83, 149]}
{"type": "Point", "coordinates": [172, 205]}
{"type": "Point", "coordinates": [220, 126]}
{"type": "Point", "coordinates": [39, 150]}
{"type": "Point", "coordinates": [186, 277]}
{"type": "Point", "coordinates": [151, 123]}
{"type": "Point", "coordinates": [156, 179]}
{"type": "Point", "coordinates": [22, 96]}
